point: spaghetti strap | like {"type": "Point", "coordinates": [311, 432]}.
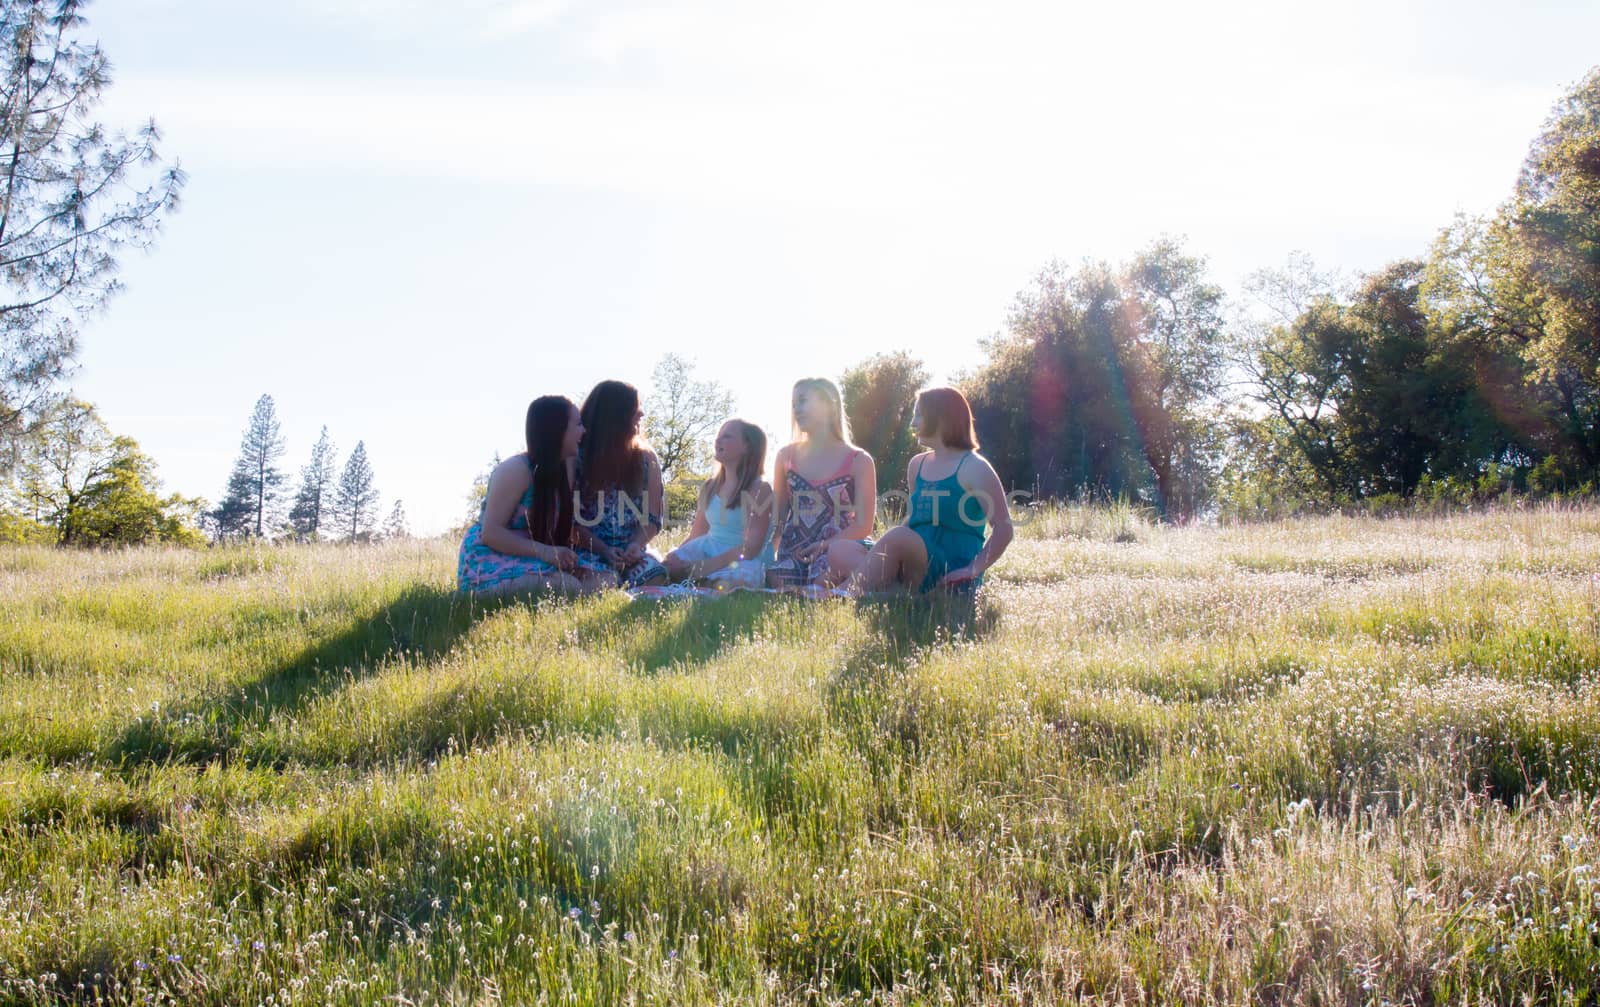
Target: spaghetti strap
{"type": "Point", "coordinates": [921, 461]}
{"type": "Point", "coordinates": [960, 463]}
{"type": "Point", "coordinates": [845, 468]}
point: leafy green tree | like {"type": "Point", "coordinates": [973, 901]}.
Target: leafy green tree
{"type": "Point", "coordinates": [310, 509]}
{"type": "Point", "coordinates": [18, 530]}
{"type": "Point", "coordinates": [66, 451]}
{"type": "Point", "coordinates": [255, 487]}
{"type": "Point", "coordinates": [1519, 294]}
{"type": "Point", "coordinates": [1374, 398]}
{"type": "Point", "coordinates": [1066, 374]}
{"type": "Point", "coordinates": [355, 501]}
{"type": "Point", "coordinates": [92, 488]}
{"type": "Point", "coordinates": [1180, 332]}
{"type": "Point", "coordinates": [72, 194]}
{"type": "Point", "coordinates": [123, 508]}
{"type": "Point", "coordinates": [879, 395]}
{"type": "Point", "coordinates": [682, 416]}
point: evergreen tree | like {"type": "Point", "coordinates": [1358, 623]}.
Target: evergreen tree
{"type": "Point", "coordinates": [310, 510]}
{"type": "Point", "coordinates": [355, 501]}
{"type": "Point", "coordinates": [250, 503]}
{"type": "Point", "coordinates": [73, 194]}
{"type": "Point", "coordinates": [395, 525]}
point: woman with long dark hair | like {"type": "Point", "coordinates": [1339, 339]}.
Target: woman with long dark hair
{"type": "Point", "coordinates": [621, 502]}
{"type": "Point", "coordinates": [522, 540]}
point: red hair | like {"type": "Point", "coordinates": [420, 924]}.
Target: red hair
{"type": "Point", "coordinates": [945, 412]}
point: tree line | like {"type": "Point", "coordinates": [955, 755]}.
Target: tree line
{"type": "Point", "coordinates": [1464, 374]}
{"type": "Point", "coordinates": [256, 502]}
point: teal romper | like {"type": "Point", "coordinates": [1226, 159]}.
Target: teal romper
{"type": "Point", "coordinates": [951, 538]}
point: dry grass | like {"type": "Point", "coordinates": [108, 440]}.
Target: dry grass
{"type": "Point", "coordinates": [1322, 761]}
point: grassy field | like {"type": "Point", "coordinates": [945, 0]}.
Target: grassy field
{"type": "Point", "coordinates": [1328, 761]}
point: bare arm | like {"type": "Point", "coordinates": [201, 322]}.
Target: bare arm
{"type": "Point", "coordinates": [983, 484]}
{"type": "Point", "coordinates": [780, 490]}
{"type": "Point", "coordinates": [507, 483]}
{"type": "Point", "coordinates": [912, 468]}
{"type": "Point", "coordinates": [759, 520]}
{"type": "Point", "coordinates": [866, 503]}
{"type": "Point", "coordinates": [700, 525]}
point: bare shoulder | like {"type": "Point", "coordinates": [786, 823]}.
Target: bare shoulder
{"type": "Point", "coordinates": [783, 459]}
{"type": "Point", "coordinates": [515, 469]}
{"type": "Point", "coordinates": [760, 490]}
{"type": "Point", "coordinates": [978, 473]}
{"type": "Point", "coordinates": [863, 461]}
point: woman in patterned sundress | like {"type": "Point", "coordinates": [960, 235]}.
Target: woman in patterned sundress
{"type": "Point", "coordinates": [621, 503]}
{"type": "Point", "coordinates": [825, 490]}
{"type": "Point", "coordinates": [522, 539]}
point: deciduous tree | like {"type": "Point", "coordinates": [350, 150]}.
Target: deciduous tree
{"type": "Point", "coordinates": [879, 395]}
{"type": "Point", "coordinates": [682, 415]}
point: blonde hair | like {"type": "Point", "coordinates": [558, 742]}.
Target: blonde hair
{"type": "Point", "coordinates": [838, 423]}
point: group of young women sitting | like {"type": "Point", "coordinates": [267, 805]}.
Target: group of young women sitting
{"type": "Point", "coordinates": [578, 510]}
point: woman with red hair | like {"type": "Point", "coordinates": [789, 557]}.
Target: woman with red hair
{"type": "Point", "coordinates": [955, 497]}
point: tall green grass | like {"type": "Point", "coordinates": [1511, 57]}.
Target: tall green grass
{"type": "Point", "coordinates": [1331, 760]}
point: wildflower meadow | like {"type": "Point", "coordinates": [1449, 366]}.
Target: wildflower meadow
{"type": "Point", "coordinates": [1331, 760]}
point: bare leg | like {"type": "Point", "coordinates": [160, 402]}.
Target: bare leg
{"type": "Point", "coordinates": [593, 581]}
{"type": "Point", "coordinates": [677, 569]}
{"type": "Point", "coordinates": [844, 556]}
{"type": "Point", "coordinates": [899, 558]}
{"type": "Point", "coordinates": [535, 582]}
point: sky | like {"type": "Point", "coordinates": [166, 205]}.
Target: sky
{"type": "Point", "coordinates": [405, 225]}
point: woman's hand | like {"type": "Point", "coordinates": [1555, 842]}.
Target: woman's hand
{"type": "Point", "coordinates": [959, 576]}
{"type": "Point", "coordinates": [633, 554]}
{"type": "Point", "coordinates": [562, 558]}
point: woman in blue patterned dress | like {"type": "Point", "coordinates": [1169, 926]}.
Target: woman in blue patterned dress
{"type": "Point", "coordinates": [825, 490]}
{"type": "Point", "coordinates": [621, 503]}
{"type": "Point", "coordinates": [522, 539]}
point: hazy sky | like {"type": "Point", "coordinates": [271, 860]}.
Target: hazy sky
{"type": "Point", "coordinates": [406, 226]}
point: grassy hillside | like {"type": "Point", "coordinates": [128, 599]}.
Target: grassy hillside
{"type": "Point", "coordinates": [1327, 761]}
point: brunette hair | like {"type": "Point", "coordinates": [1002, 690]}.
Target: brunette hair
{"type": "Point", "coordinates": [549, 518]}
{"type": "Point", "coordinates": [751, 465]}
{"type": "Point", "coordinates": [947, 415]}
{"type": "Point", "coordinates": [612, 454]}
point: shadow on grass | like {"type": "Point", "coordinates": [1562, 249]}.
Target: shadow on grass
{"type": "Point", "coordinates": [899, 627]}
{"type": "Point", "coordinates": [660, 633]}
{"type": "Point", "coordinates": [422, 623]}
